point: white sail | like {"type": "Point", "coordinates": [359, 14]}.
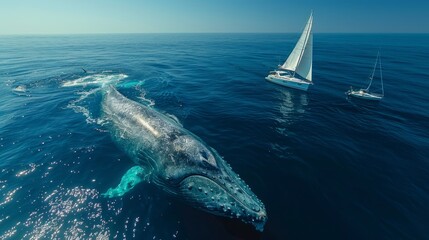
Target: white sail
{"type": "Point", "coordinates": [300, 60]}
{"type": "Point", "coordinates": [305, 67]}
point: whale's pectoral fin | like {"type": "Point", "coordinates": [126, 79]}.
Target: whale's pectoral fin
{"type": "Point", "coordinates": [131, 178]}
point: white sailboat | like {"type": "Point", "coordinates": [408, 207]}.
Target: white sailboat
{"type": "Point", "coordinates": [365, 93]}
{"type": "Point", "coordinates": [296, 71]}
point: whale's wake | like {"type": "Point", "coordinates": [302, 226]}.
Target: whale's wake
{"type": "Point", "coordinates": [95, 79]}
{"type": "Point", "coordinates": [92, 84]}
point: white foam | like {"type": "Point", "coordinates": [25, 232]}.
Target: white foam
{"type": "Point", "coordinates": [148, 102]}
{"type": "Point", "coordinates": [143, 98]}
{"type": "Point", "coordinates": [96, 79]}
{"type": "Point", "coordinates": [175, 119]}
{"type": "Point", "coordinates": [20, 88]}
{"type": "Point", "coordinates": [80, 109]}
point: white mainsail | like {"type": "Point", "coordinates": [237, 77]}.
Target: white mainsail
{"type": "Point", "coordinates": [300, 60]}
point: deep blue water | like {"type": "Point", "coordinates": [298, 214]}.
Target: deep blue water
{"type": "Point", "coordinates": [325, 167]}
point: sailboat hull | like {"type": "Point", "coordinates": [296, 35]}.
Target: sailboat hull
{"type": "Point", "coordinates": [289, 82]}
{"type": "Point", "coordinates": [364, 95]}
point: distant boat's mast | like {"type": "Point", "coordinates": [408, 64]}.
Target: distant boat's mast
{"type": "Point", "coordinates": [381, 76]}
{"type": "Point", "coordinates": [373, 72]}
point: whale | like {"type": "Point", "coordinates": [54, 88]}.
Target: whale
{"type": "Point", "coordinates": [176, 161]}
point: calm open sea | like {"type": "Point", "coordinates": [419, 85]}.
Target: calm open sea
{"type": "Point", "coordinates": [325, 167]}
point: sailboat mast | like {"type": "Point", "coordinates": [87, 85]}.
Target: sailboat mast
{"type": "Point", "coordinates": [306, 41]}
{"type": "Point", "coordinates": [300, 60]}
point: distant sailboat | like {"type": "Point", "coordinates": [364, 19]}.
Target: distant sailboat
{"type": "Point", "coordinates": [296, 71]}
{"type": "Point", "coordinates": [365, 93]}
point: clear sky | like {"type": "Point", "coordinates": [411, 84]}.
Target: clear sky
{"type": "Point", "coordinates": [176, 16]}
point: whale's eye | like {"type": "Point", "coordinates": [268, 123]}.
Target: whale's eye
{"type": "Point", "coordinates": [207, 160]}
{"type": "Point", "coordinates": [204, 155]}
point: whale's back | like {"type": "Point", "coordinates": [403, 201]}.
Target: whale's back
{"type": "Point", "coordinates": [135, 128]}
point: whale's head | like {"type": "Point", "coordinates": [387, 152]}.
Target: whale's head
{"type": "Point", "coordinates": [202, 178]}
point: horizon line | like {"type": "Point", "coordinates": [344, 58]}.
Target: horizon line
{"type": "Point", "coordinates": [125, 33]}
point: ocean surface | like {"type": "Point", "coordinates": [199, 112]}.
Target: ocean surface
{"type": "Point", "coordinates": [326, 167]}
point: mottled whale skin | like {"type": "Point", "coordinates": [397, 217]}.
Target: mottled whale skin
{"type": "Point", "coordinates": [177, 161]}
